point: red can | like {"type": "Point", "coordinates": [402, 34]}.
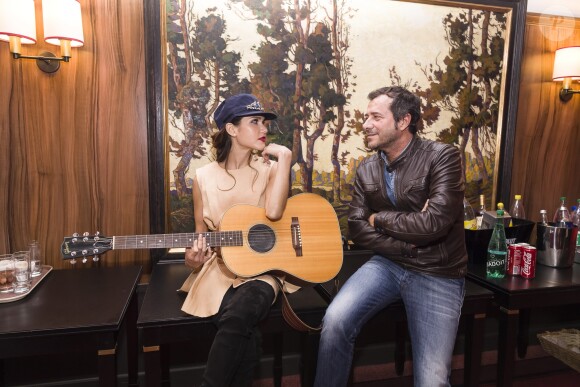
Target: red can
{"type": "Point", "coordinates": [514, 259]}
{"type": "Point", "coordinates": [528, 269]}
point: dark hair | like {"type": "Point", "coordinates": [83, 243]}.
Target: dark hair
{"type": "Point", "coordinates": [222, 142]}
{"type": "Point", "coordinates": [404, 102]}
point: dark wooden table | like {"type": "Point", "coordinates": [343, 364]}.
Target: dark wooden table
{"type": "Point", "coordinates": [473, 314]}
{"type": "Point", "coordinates": [72, 311]}
{"type": "Point", "coordinates": [161, 322]}
{"type": "Point", "coordinates": [515, 297]}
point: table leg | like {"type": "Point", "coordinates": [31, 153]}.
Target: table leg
{"type": "Point", "coordinates": [132, 342]}
{"type": "Point", "coordinates": [2, 374]}
{"type": "Point", "coordinates": [474, 332]}
{"type": "Point", "coordinates": [152, 359]}
{"type": "Point", "coordinates": [508, 324]}
{"type": "Point", "coordinates": [400, 339]}
{"type": "Point", "coordinates": [278, 339]}
{"type": "Point", "coordinates": [165, 365]}
{"type": "Point", "coordinates": [523, 332]}
{"type": "Point", "coordinates": [308, 357]}
{"type": "Point", "coordinates": [107, 367]}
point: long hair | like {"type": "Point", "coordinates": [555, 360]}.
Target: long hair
{"type": "Point", "coordinates": [222, 142]}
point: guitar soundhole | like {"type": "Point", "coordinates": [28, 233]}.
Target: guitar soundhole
{"type": "Point", "coordinates": [261, 238]}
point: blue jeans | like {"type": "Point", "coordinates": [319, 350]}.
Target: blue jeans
{"type": "Point", "coordinates": [433, 306]}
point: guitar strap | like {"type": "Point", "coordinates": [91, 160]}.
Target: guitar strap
{"type": "Point", "coordinates": [290, 316]}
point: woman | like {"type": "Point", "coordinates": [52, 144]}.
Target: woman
{"type": "Point", "coordinates": [237, 176]}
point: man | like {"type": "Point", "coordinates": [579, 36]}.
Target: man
{"type": "Point", "coordinates": [407, 209]}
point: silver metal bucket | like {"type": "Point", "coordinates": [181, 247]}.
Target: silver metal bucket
{"type": "Point", "coordinates": [556, 245]}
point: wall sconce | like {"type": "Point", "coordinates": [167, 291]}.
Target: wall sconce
{"type": "Point", "coordinates": [63, 27]}
{"type": "Point", "coordinates": [567, 69]}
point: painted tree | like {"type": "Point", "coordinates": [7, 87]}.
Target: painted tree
{"type": "Point", "coordinates": [320, 96]}
{"type": "Point", "coordinates": [296, 70]}
{"type": "Point", "coordinates": [200, 71]}
{"type": "Point", "coordinates": [339, 37]}
{"type": "Point", "coordinates": [278, 74]}
{"type": "Point", "coordinates": [468, 83]}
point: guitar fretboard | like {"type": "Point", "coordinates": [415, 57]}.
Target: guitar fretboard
{"type": "Point", "coordinates": [215, 239]}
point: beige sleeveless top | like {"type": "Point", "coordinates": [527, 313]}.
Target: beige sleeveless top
{"type": "Point", "coordinates": [207, 285]}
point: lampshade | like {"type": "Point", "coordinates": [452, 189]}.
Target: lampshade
{"type": "Point", "coordinates": [17, 19]}
{"type": "Point", "coordinates": [567, 63]}
{"type": "Point", "coordinates": [62, 20]}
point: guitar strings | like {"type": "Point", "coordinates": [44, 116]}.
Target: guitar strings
{"type": "Point", "coordinates": [165, 238]}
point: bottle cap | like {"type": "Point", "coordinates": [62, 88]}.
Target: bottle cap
{"type": "Point", "coordinates": [543, 212]}
{"type": "Point", "coordinates": [518, 197]}
{"type": "Point", "coordinates": [500, 206]}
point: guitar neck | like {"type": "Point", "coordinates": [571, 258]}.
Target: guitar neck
{"type": "Point", "coordinates": [214, 239]}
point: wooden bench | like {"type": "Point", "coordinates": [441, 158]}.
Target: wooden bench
{"type": "Point", "coordinates": [162, 323]}
{"type": "Point", "coordinates": [473, 313]}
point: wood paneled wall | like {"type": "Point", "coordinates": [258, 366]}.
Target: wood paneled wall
{"type": "Point", "coordinates": [73, 144]}
{"type": "Point", "coordinates": [547, 146]}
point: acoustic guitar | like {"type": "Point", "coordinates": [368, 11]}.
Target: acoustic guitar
{"type": "Point", "coordinates": [305, 243]}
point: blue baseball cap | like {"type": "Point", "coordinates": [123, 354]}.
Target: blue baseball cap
{"type": "Point", "coordinates": [239, 105]}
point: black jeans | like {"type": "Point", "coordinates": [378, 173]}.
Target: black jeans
{"type": "Point", "coordinates": [237, 346]}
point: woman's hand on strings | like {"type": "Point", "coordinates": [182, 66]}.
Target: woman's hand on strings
{"type": "Point", "coordinates": [199, 253]}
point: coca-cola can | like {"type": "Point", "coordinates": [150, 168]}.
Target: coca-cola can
{"type": "Point", "coordinates": [514, 259]}
{"type": "Point", "coordinates": [528, 266]}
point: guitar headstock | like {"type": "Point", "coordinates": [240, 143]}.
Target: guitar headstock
{"type": "Point", "coordinates": [85, 246]}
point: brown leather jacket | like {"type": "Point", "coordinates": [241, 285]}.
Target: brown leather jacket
{"type": "Point", "coordinates": [430, 241]}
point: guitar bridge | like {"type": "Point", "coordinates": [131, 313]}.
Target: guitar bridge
{"type": "Point", "coordinates": [296, 236]}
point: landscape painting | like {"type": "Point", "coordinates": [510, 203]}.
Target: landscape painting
{"type": "Point", "coordinates": [313, 63]}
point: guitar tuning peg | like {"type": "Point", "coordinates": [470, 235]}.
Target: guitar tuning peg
{"type": "Point", "coordinates": [85, 260]}
{"type": "Point", "coordinates": [73, 261]}
{"type": "Point", "coordinates": [95, 258]}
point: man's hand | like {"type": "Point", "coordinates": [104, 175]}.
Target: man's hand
{"type": "Point", "coordinates": [372, 217]}
{"type": "Point", "coordinates": [372, 220]}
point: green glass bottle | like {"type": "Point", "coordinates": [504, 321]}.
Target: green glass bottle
{"type": "Point", "coordinates": [497, 249]}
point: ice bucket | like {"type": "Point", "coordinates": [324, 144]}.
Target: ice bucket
{"type": "Point", "coordinates": [556, 245]}
{"type": "Point", "coordinates": [476, 241]}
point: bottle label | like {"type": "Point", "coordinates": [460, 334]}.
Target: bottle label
{"type": "Point", "coordinates": [496, 263]}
